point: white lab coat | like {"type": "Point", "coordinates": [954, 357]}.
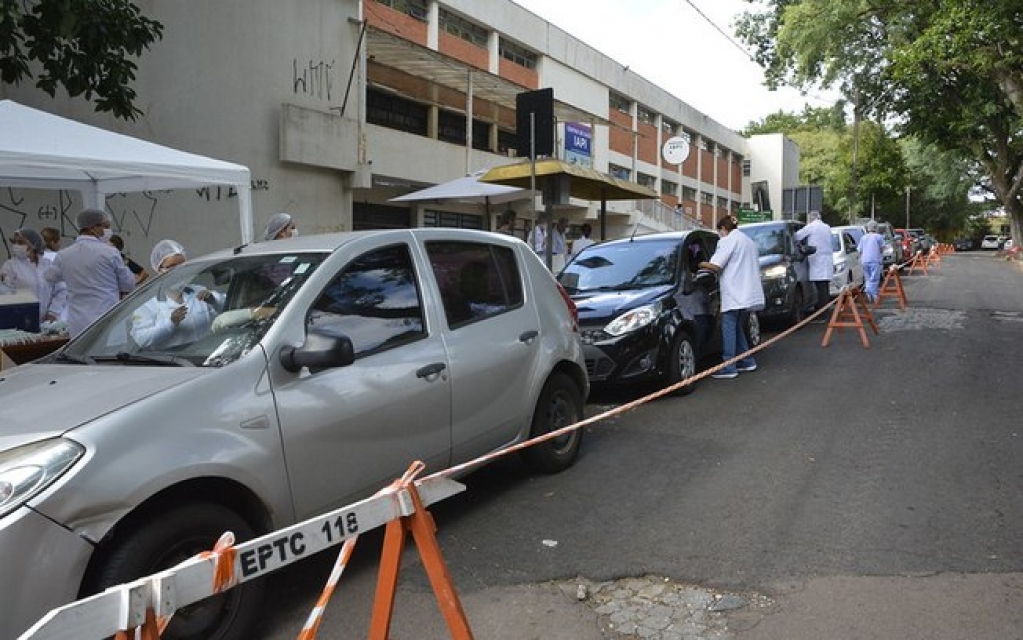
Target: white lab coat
{"type": "Point", "coordinates": [21, 274]}
{"type": "Point", "coordinates": [822, 261]}
{"type": "Point", "coordinates": [96, 276]}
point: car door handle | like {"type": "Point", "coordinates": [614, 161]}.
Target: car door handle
{"type": "Point", "coordinates": [430, 370]}
{"type": "Point", "coordinates": [528, 336]}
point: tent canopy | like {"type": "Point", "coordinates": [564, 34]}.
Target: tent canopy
{"type": "Point", "coordinates": [466, 189]}
{"type": "Point", "coordinates": [583, 182]}
{"type": "Point", "coordinates": [39, 150]}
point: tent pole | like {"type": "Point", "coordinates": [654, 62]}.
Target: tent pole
{"type": "Point", "coordinates": [245, 212]}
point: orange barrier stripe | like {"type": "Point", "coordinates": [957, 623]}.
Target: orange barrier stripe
{"type": "Point", "coordinates": [312, 624]}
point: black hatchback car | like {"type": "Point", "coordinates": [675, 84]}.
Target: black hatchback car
{"type": "Point", "coordinates": [784, 271]}
{"type": "Point", "coordinates": [646, 311]}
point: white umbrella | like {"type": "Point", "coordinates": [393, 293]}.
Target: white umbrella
{"type": "Point", "coordinates": [467, 189]}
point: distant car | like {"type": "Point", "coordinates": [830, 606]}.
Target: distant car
{"type": "Point", "coordinates": [893, 252]}
{"type": "Point", "coordinates": [646, 312]}
{"type": "Point", "coordinates": [848, 270]}
{"type": "Point", "coordinates": [924, 241]}
{"type": "Point", "coordinates": [335, 361]}
{"type": "Point", "coordinates": [963, 244]}
{"type": "Point", "coordinates": [990, 242]}
{"type": "Point", "coordinates": [1008, 244]}
{"type": "Point", "coordinates": [902, 237]}
{"type": "Point", "coordinates": [784, 271]}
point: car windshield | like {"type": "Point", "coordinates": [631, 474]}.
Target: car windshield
{"type": "Point", "coordinates": [204, 313]}
{"type": "Point", "coordinates": [622, 266]}
{"type": "Point", "coordinates": [770, 241]}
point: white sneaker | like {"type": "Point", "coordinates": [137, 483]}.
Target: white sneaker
{"type": "Point", "coordinates": [748, 367]}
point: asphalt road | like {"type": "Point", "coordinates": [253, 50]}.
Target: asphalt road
{"type": "Point", "coordinates": [865, 493]}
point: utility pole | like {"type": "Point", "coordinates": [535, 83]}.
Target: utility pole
{"type": "Point", "coordinates": [855, 161]}
{"type": "Point", "coordinates": [907, 207]}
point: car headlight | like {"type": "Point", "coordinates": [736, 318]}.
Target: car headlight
{"type": "Point", "coordinates": [27, 470]}
{"type": "Point", "coordinates": [632, 320]}
{"type": "Point", "coordinates": [777, 271]}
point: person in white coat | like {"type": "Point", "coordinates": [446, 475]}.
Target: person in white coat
{"type": "Point", "coordinates": [817, 234]}
{"type": "Point", "coordinates": [737, 260]}
{"type": "Point", "coordinates": [26, 271]}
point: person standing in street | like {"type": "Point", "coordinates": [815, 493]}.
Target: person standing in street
{"type": "Point", "coordinates": [93, 270]}
{"type": "Point", "coordinates": [736, 260]}
{"type": "Point", "coordinates": [871, 248]}
{"type": "Point", "coordinates": [559, 246]}
{"type": "Point", "coordinates": [583, 240]}
{"type": "Point", "coordinates": [817, 234]}
{"type": "Point", "coordinates": [506, 223]}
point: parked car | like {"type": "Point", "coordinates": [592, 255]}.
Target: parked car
{"type": "Point", "coordinates": [342, 359]}
{"type": "Point", "coordinates": [910, 245]}
{"type": "Point", "coordinates": [989, 242]}
{"type": "Point", "coordinates": [645, 312]}
{"type": "Point", "coordinates": [784, 271]}
{"type": "Point", "coordinates": [963, 244]}
{"type": "Point", "coordinates": [848, 270]}
{"type": "Point", "coordinates": [893, 251]}
{"type": "Point", "coordinates": [924, 241]}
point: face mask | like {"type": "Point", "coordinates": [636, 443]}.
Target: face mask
{"type": "Point", "coordinates": [19, 251]}
{"type": "Point", "coordinates": [107, 234]}
{"type": "Point", "coordinates": [294, 233]}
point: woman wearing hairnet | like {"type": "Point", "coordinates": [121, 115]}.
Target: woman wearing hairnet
{"type": "Point", "coordinates": [25, 272]}
{"type": "Point", "coordinates": [280, 226]}
{"type": "Point", "coordinates": [181, 312]}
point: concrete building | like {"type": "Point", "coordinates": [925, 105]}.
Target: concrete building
{"type": "Point", "coordinates": [337, 106]}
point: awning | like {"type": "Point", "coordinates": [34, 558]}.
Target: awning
{"type": "Point", "coordinates": [466, 189]}
{"type": "Point", "coordinates": [419, 61]}
{"type": "Point", "coordinates": [583, 182]}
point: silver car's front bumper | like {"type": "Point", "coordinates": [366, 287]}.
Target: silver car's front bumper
{"type": "Point", "coordinates": [41, 564]}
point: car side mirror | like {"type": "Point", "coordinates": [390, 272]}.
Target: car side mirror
{"type": "Point", "coordinates": [320, 351]}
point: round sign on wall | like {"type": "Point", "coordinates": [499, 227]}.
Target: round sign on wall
{"type": "Point", "coordinates": [675, 150]}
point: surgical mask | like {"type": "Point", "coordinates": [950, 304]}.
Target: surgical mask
{"type": "Point", "coordinates": [294, 233]}
{"type": "Point", "coordinates": [107, 234]}
{"type": "Point", "coordinates": [19, 251]}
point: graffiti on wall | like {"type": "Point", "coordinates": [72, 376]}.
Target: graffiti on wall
{"type": "Point", "coordinates": [131, 213]}
{"type": "Point", "coordinates": [315, 78]}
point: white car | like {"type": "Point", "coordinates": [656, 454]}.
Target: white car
{"type": "Point", "coordinates": [848, 270]}
{"type": "Point", "coordinates": [333, 362]}
{"type": "Point", "coordinates": [989, 242]}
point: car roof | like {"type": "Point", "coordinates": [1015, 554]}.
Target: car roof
{"type": "Point", "coordinates": [652, 237]}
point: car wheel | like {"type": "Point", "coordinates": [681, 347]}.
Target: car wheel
{"type": "Point", "coordinates": [683, 362]}
{"type": "Point", "coordinates": [176, 535]}
{"type": "Point", "coordinates": [798, 312]}
{"type": "Point", "coordinates": [560, 404]}
{"type": "Point", "coordinates": [753, 329]}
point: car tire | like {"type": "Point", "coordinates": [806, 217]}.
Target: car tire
{"type": "Point", "coordinates": [560, 404]}
{"type": "Point", "coordinates": [682, 362]}
{"type": "Point", "coordinates": [174, 536]}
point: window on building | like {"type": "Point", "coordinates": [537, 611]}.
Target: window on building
{"type": "Point", "coordinates": [646, 180]}
{"type": "Point", "coordinates": [519, 55]}
{"type": "Point", "coordinates": [619, 171]}
{"type": "Point", "coordinates": [414, 8]}
{"type": "Point", "coordinates": [506, 140]}
{"type": "Point", "coordinates": [745, 168]}
{"type": "Point", "coordinates": [480, 135]}
{"type": "Point", "coordinates": [451, 127]}
{"type": "Point", "coordinates": [707, 198]}
{"type": "Point", "coordinates": [395, 112]}
{"type": "Point", "coordinates": [458, 26]}
{"type": "Point", "coordinates": [450, 220]}
{"type": "Point", "coordinates": [668, 126]}
{"type": "Point", "coordinates": [646, 115]}
{"type": "Point", "coordinates": [688, 193]}
{"type": "Point", "coordinates": [619, 102]}
{"type": "Point", "coordinates": [722, 203]}
{"type": "Point", "coordinates": [669, 188]}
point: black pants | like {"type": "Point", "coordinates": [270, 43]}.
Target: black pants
{"type": "Point", "coordinates": [823, 294]}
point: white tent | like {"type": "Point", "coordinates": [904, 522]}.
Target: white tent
{"type": "Point", "coordinates": [39, 150]}
{"type": "Point", "coordinates": [467, 189]}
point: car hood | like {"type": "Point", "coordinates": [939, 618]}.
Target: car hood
{"type": "Point", "coordinates": [771, 260]}
{"type": "Point", "coordinates": [46, 400]}
{"type": "Point", "coordinates": [609, 304]}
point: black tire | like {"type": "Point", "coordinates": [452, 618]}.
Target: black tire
{"type": "Point", "coordinates": [560, 404]}
{"type": "Point", "coordinates": [177, 535]}
{"type": "Point", "coordinates": [798, 313]}
{"type": "Point", "coordinates": [682, 362]}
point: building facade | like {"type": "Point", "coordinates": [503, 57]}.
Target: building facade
{"type": "Point", "coordinates": [338, 106]}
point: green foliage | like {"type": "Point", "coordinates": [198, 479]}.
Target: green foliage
{"type": "Point", "coordinates": [949, 73]}
{"type": "Point", "coordinates": [84, 46]}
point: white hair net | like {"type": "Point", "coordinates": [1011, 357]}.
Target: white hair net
{"type": "Point", "coordinates": [277, 223]}
{"type": "Point", "coordinates": [90, 218]}
{"type": "Point", "coordinates": [164, 249]}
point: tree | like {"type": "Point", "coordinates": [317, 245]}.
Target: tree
{"type": "Point", "coordinates": [84, 46]}
{"type": "Point", "coordinates": [948, 73]}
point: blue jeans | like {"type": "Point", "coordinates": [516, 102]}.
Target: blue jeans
{"type": "Point", "coordinates": [871, 279]}
{"type": "Point", "coordinates": [733, 340]}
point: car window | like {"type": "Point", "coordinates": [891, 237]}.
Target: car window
{"type": "Point", "coordinates": [621, 266]}
{"type": "Point", "coordinates": [374, 301]}
{"type": "Point", "coordinates": [850, 244]}
{"type": "Point", "coordinates": [476, 280]}
{"type": "Point", "coordinates": [770, 241]}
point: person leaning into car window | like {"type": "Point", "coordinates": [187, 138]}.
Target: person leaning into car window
{"type": "Point", "coordinates": [736, 259]}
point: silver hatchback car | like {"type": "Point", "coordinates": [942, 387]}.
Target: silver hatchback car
{"type": "Point", "coordinates": [303, 375]}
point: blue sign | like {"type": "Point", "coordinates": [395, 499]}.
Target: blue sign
{"type": "Point", "coordinates": [577, 144]}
